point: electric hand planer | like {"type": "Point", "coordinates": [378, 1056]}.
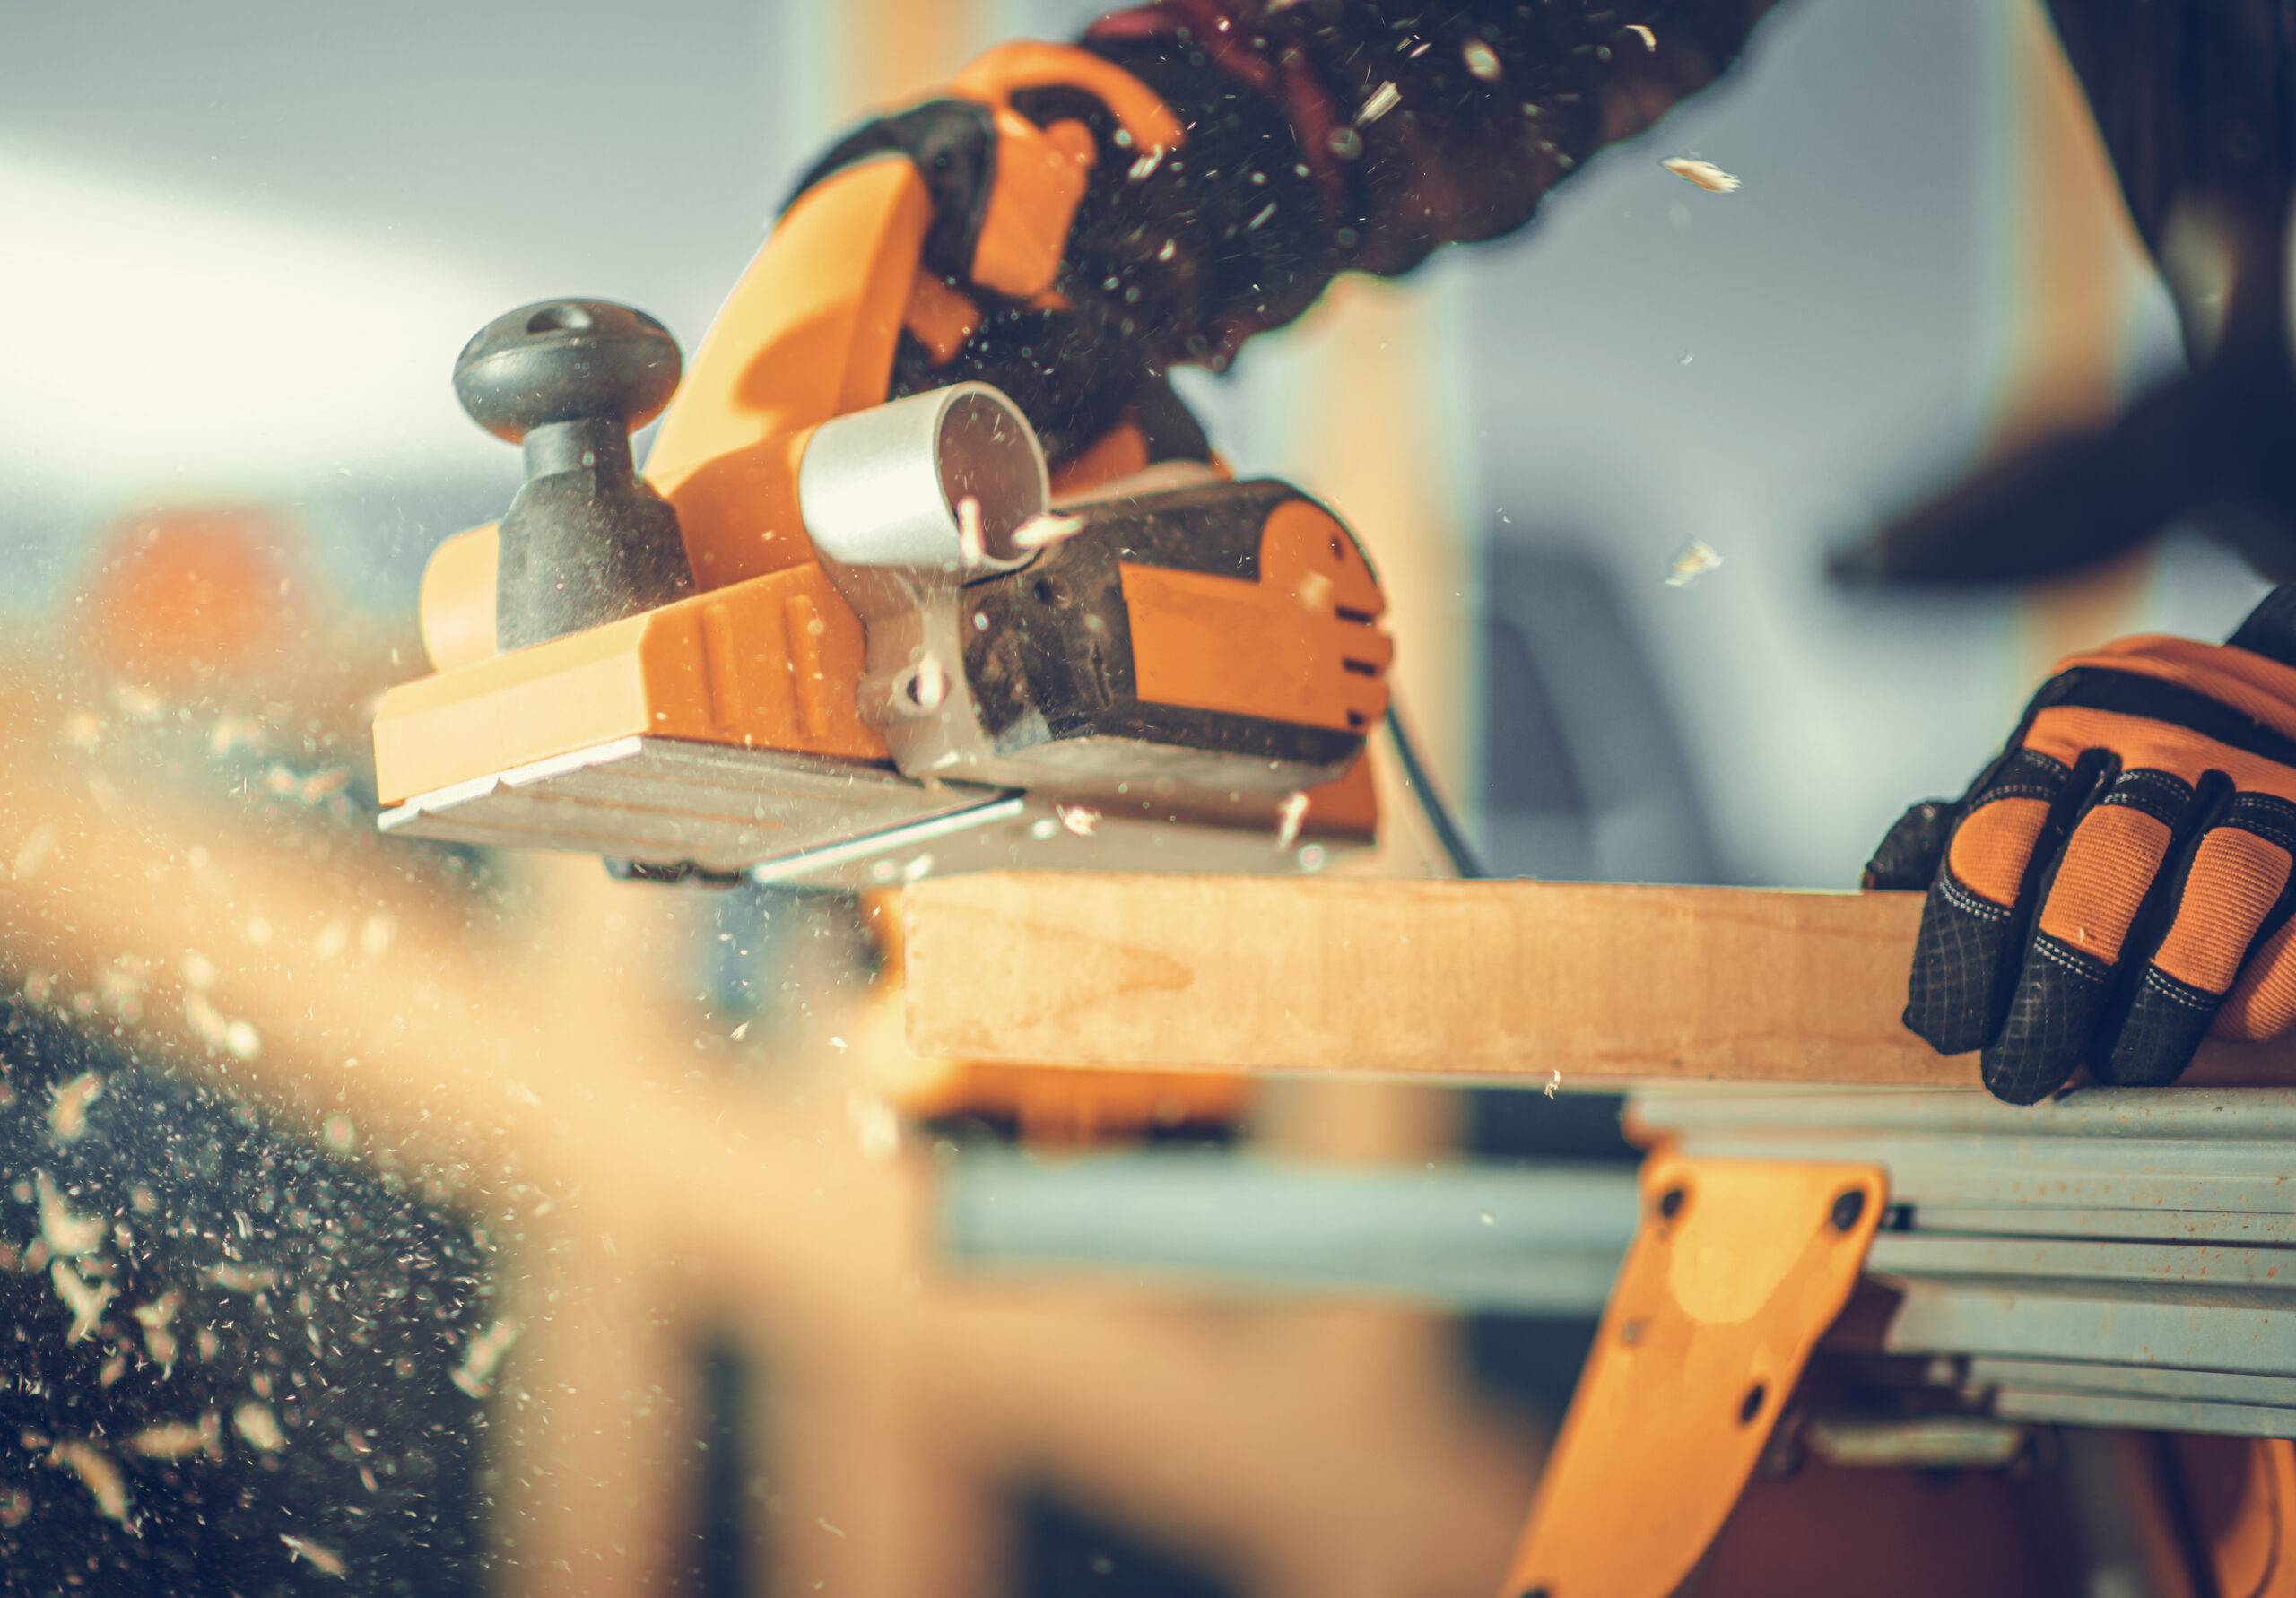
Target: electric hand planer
{"type": "Point", "coordinates": [835, 640]}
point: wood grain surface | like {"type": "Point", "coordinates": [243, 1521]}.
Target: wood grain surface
{"type": "Point", "coordinates": [1500, 981]}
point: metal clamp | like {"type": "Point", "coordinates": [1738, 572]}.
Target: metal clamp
{"type": "Point", "coordinates": [906, 503]}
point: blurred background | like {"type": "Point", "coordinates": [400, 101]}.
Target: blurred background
{"type": "Point", "coordinates": [553, 1235]}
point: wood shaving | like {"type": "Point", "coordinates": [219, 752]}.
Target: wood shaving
{"type": "Point", "coordinates": [1294, 811]}
{"type": "Point", "coordinates": [1704, 173]}
{"type": "Point", "coordinates": [1082, 819]}
{"type": "Point", "coordinates": [1383, 98]}
{"type": "Point", "coordinates": [483, 1355]}
{"type": "Point", "coordinates": [243, 1279]}
{"type": "Point", "coordinates": [1481, 60]}
{"type": "Point", "coordinates": [325, 785]}
{"type": "Point", "coordinates": [180, 1439]}
{"type": "Point", "coordinates": [218, 1032]}
{"type": "Point", "coordinates": [1650, 39]}
{"type": "Point", "coordinates": [159, 1340]}
{"type": "Point", "coordinates": [234, 732]}
{"type": "Point", "coordinates": [876, 1125]}
{"type": "Point", "coordinates": [68, 1109]}
{"type": "Point", "coordinates": [67, 1235]}
{"type": "Point", "coordinates": [86, 1299]}
{"type": "Point", "coordinates": [96, 1474]}
{"type": "Point", "coordinates": [317, 1555]}
{"type": "Point", "coordinates": [256, 1423]}
{"type": "Point", "coordinates": [972, 549]}
{"type": "Point", "coordinates": [1042, 532]}
{"type": "Point", "coordinates": [1693, 561]}
{"type": "Point", "coordinates": [34, 852]}
{"type": "Point", "coordinates": [138, 703]}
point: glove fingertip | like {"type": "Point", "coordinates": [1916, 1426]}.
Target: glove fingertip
{"type": "Point", "coordinates": [2013, 1076]}
{"type": "Point", "coordinates": [2159, 1035]}
{"type": "Point", "coordinates": [1907, 859]}
{"type": "Point", "coordinates": [1954, 998]}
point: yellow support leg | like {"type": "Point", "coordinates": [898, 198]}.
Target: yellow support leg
{"type": "Point", "coordinates": [1737, 1271]}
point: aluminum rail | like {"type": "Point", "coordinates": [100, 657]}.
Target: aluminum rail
{"type": "Point", "coordinates": [2110, 1259]}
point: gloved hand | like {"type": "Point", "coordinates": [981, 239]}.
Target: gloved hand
{"type": "Point", "coordinates": [1067, 248]}
{"type": "Point", "coordinates": [1195, 172]}
{"type": "Point", "coordinates": [2117, 884]}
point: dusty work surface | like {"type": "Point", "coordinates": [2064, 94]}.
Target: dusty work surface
{"type": "Point", "coordinates": [1470, 979]}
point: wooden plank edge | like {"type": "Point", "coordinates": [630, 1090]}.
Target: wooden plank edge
{"type": "Point", "coordinates": [1499, 981]}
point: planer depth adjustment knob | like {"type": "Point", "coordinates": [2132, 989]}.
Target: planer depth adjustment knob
{"type": "Point", "coordinates": [585, 542]}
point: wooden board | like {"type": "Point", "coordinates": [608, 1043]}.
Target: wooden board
{"type": "Point", "coordinates": [1503, 981]}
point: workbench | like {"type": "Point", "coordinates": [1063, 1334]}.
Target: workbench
{"type": "Point", "coordinates": [2112, 1258]}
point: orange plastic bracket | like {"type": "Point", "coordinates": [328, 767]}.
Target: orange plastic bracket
{"type": "Point", "coordinates": [1737, 1271]}
{"type": "Point", "coordinates": [2240, 1496]}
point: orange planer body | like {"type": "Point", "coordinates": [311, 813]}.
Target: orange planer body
{"type": "Point", "coordinates": [833, 640]}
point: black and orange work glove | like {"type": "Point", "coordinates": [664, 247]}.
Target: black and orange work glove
{"type": "Point", "coordinates": [1193, 172]}
{"type": "Point", "coordinates": [2117, 884]}
{"type": "Point", "coordinates": [1057, 264]}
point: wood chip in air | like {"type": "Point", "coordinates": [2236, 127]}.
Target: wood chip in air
{"type": "Point", "coordinates": [1288, 817]}
{"type": "Point", "coordinates": [243, 1279]}
{"type": "Point", "coordinates": [96, 1474]}
{"type": "Point", "coordinates": [1383, 99]}
{"type": "Point", "coordinates": [317, 1555]}
{"type": "Point", "coordinates": [86, 1299]}
{"type": "Point", "coordinates": [972, 549]}
{"type": "Point", "coordinates": [256, 1423]}
{"type": "Point", "coordinates": [34, 851]}
{"type": "Point", "coordinates": [1704, 173]}
{"type": "Point", "coordinates": [180, 1439]}
{"type": "Point", "coordinates": [1481, 60]}
{"type": "Point", "coordinates": [1042, 532]}
{"type": "Point", "coordinates": [68, 1109]}
{"type": "Point", "coordinates": [1650, 39]}
{"type": "Point", "coordinates": [159, 1340]}
{"type": "Point", "coordinates": [483, 1355]}
{"type": "Point", "coordinates": [1693, 560]}
{"type": "Point", "coordinates": [1082, 819]}
{"type": "Point", "coordinates": [325, 784]}
{"type": "Point", "coordinates": [67, 1235]}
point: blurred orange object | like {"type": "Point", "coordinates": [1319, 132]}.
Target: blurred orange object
{"type": "Point", "coordinates": [176, 595]}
